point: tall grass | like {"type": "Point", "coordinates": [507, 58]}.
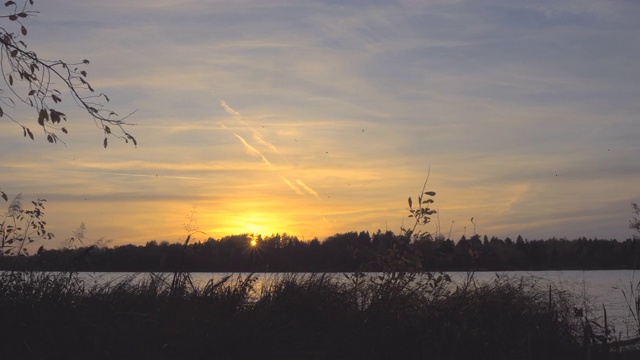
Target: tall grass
{"type": "Point", "coordinates": [317, 316]}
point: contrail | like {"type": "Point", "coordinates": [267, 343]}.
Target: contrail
{"type": "Point", "coordinates": [308, 189]}
{"type": "Point", "coordinates": [261, 140]}
{"type": "Point", "coordinates": [228, 109]}
{"type": "Point", "coordinates": [256, 134]}
{"type": "Point", "coordinates": [293, 187]}
{"type": "Point", "coordinates": [252, 151]}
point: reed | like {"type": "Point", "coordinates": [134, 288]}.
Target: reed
{"type": "Point", "coordinates": [291, 316]}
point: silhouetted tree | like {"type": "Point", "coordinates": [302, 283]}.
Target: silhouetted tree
{"type": "Point", "coordinates": [20, 227]}
{"type": "Point", "coordinates": [32, 82]}
{"type": "Point", "coordinates": [41, 84]}
{"type": "Point", "coordinates": [635, 222]}
{"type": "Point", "coordinates": [346, 252]}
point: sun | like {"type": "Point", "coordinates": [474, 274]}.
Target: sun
{"type": "Point", "coordinates": [254, 247]}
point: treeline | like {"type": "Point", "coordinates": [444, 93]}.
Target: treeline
{"type": "Point", "coordinates": [347, 252]}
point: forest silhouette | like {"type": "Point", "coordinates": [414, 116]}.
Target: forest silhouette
{"type": "Point", "coordinates": [344, 252]}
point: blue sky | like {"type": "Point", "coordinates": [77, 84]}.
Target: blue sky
{"type": "Point", "coordinates": [314, 118]}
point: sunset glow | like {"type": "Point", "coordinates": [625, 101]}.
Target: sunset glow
{"type": "Point", "coordinates": [315, 118]}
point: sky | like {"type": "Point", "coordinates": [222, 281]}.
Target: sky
{"type": "Point", "coordinates": [322, 117]}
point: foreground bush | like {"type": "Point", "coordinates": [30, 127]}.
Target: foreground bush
{"type": "Point", "coordinates": [390, 316]}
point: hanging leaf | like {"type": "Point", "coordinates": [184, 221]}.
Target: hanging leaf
{"type": "Point", "coordinates": [30, 134]}
{"type": "Point", "coordinates": [4, 196]}
{"type": "Point", "coordinates": [410, 203]}
{"type": "Point", "coordinates": [430, 193]}
{"type": "Point", "coordinates": [64, 130]}
{"type": "Point", "coordinates": [1, 112]}
{"type": "Point", "coordinates": [9, 3]}
{"type": "Point", "coordinates": [23, 30]}
{"type": "Point", "coordinates": [42, 116]}
{"type": "Point", "coordinates": [105, 143]}
{"type": "Point", "coordinates": [57, 116]}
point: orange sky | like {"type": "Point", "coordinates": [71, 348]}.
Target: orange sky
{"type": "Point", "coordinates": [314, 118]}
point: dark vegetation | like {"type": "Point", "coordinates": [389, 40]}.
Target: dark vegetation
{"type": "Point", "coordinates": [391, 316]}
{"type": "Point", "coordinates": [346, 252]}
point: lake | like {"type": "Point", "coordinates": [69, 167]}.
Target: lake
{"type": "Point", "coordinates": [591, 289]}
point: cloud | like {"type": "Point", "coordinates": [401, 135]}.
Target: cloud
{"type": "Point", "coordinates": [517, 194]}
{"type": "Point", "coordinates": [147, 175]}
